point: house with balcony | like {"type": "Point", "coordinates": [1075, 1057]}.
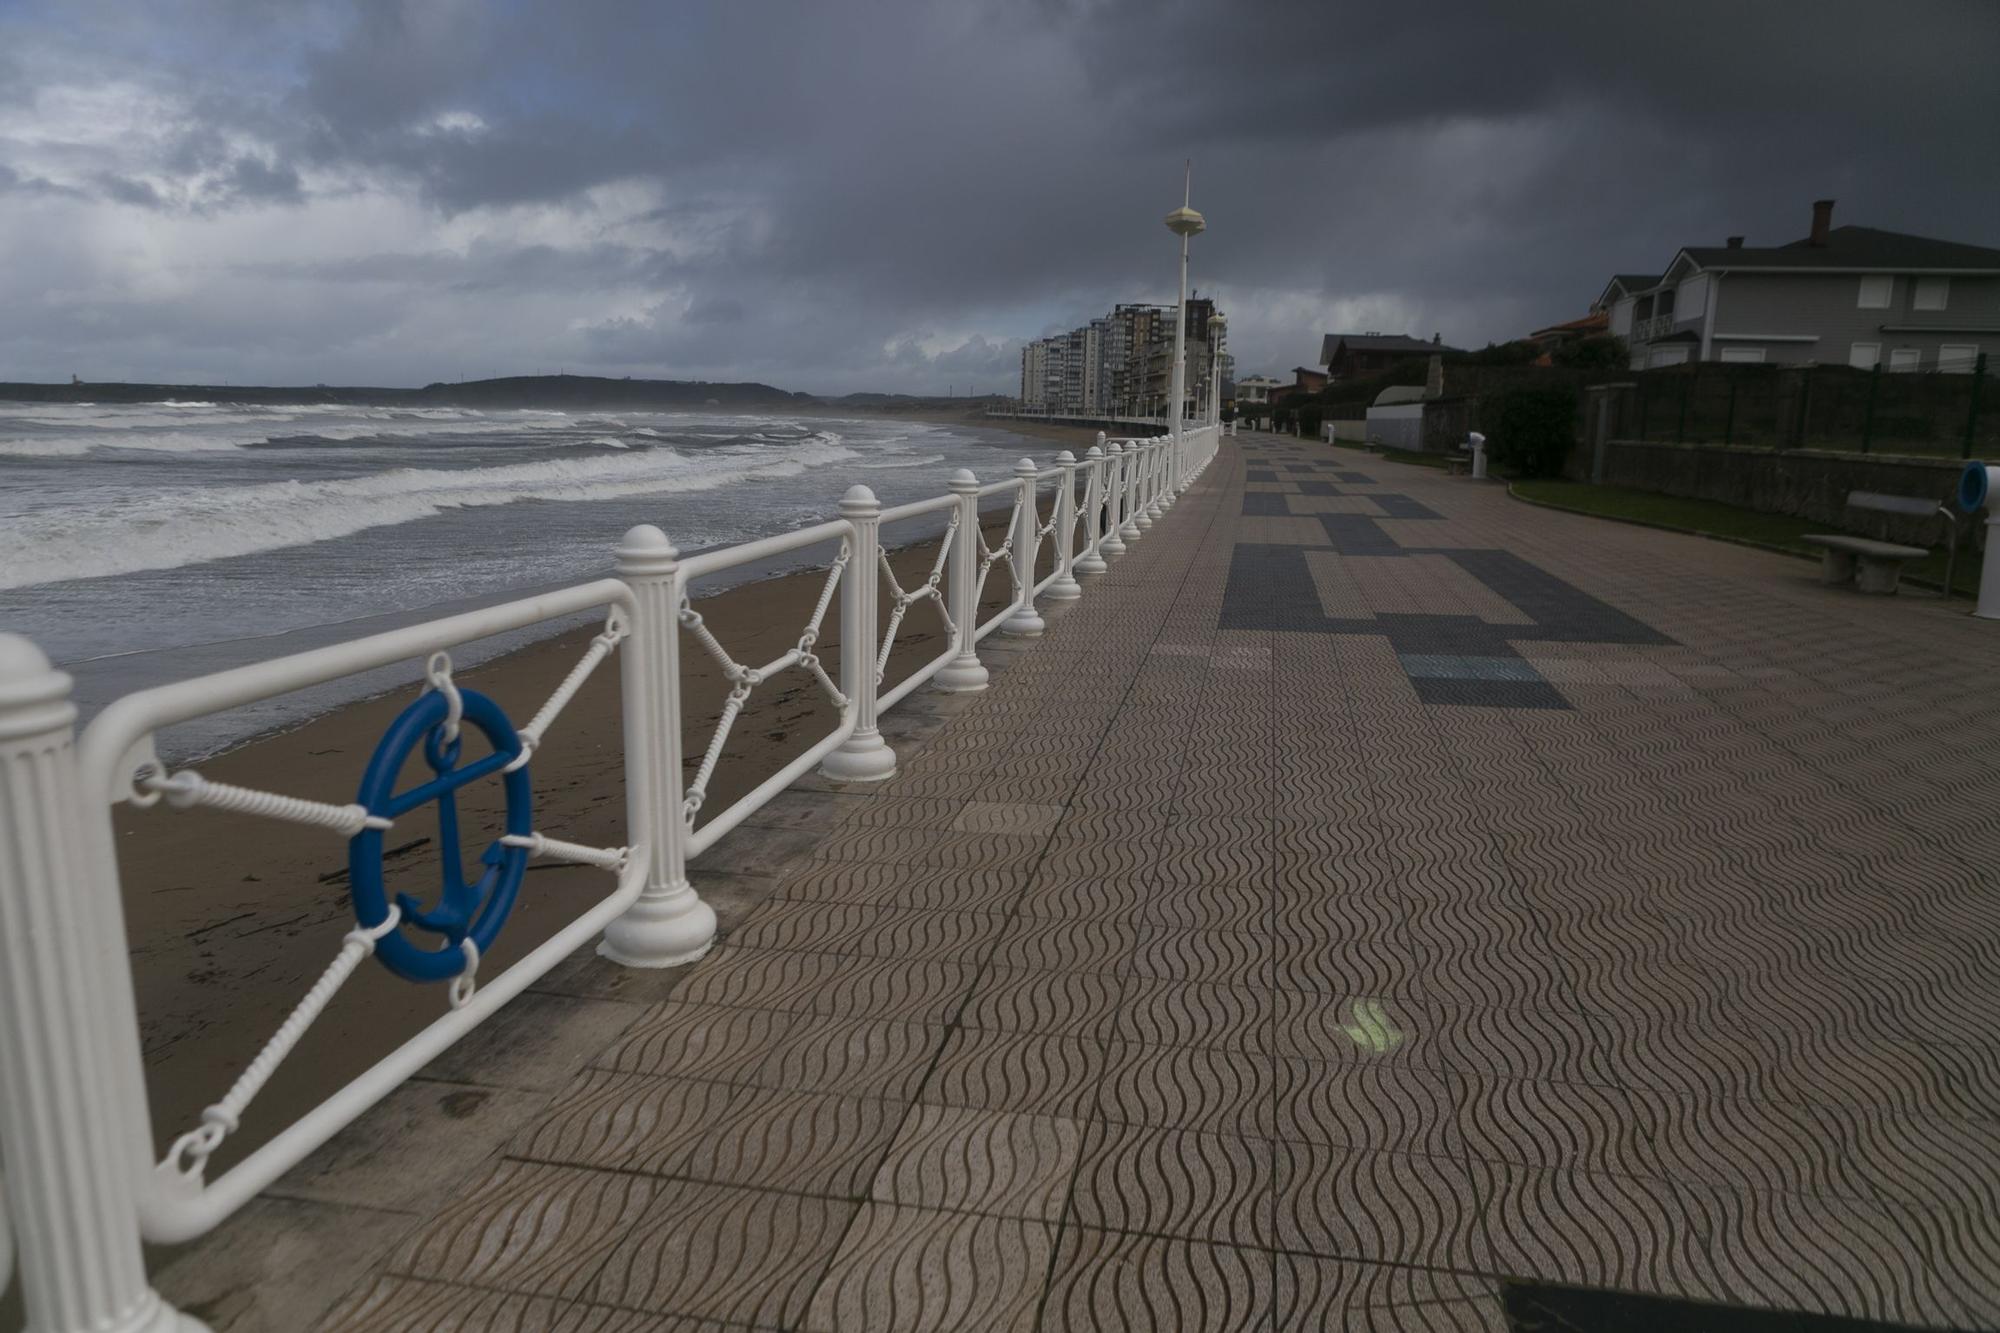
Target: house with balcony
{"type": "Point", "coordinates": [1854, 296]}
{"type": "Point", "coordinates": [1348, 356]}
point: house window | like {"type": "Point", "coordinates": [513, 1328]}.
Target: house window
{"type": "Point", "coordinates": [1904, 358]}
{"type": "Point", "coordinates": [1864, 356]}
{"type": "Point", "coordinates": [1931, 294]}
{"type": "Point", "coordinates": [1743, 354]}
{"type": "Point", "coordinates": [1875, 290]}
{"type": "Point", "coordinates": [1621, 317]}
{"type": "Point", "coordinates": [1693, 298]}
{"type": "Point", "coordinates": [1959, 358]}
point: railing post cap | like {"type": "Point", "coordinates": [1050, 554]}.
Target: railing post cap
{"type": "Point", "coordinates": [33, 694]}
{"type": "Point", "coordinates": [1096, 450]}
{"type": "Point", "coordinates": [1066, 458]}
{"type": "Point", "coordinates": [645, 550]}
{"type": "Point", "coordinates": [858, 500]}
{"type": "Point", "coordinates": [1100, 437]}
{"type": "Point", "coordinates": [1025, 465]}
{"type": "Point", "coordinates": [1116, 447]}
{"type": "Point", "coordinates": [963, 479]}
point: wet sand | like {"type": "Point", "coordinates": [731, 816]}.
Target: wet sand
{"type": "Point", "coordinates": [232, 917]}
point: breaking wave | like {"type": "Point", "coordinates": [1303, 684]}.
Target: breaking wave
{"type": "Point", "coordinates": [182, 527]}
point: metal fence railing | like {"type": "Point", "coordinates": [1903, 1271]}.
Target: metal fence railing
{"type": "Point", "coordinates": [85, 1184]}
{"type": "Point", "coordinates": [1949, 413]}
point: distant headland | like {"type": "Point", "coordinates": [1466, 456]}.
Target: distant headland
{"type": "Point", "coordinates": [585, 392]}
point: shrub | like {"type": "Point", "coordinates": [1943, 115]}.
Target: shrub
{"type": "Point", "coordinates": [1530, 431]}
{"type": "Point", "coordinates": [1599, 351]}
{"type": "Point", "coordinates": [1309, 419]}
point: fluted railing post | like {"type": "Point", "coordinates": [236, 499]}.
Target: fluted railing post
{"type": "Point", "coordinates": [864, 756]}
{"type": "Point", "coordinates": [1157, 494]}
{"type": "Point", "coordinates": [1142, 488]}
{"type": "Point", "coordinates": [1135, 462]}
{"type": "Point", "coordinates": [1091, 561]}
{"type": "Point", "coordinates": [1114, 501]}
{"type": "Point", "coordinates": [668, 924]}
{"type": "Point", "coordinates": [71, 1168]}
{"type": "Point", "coordinates": [964, 673]}
{"type": "Point", "coordinates": [1065, 587]}
{"type": "Point", "coordinates": [1024, 622]}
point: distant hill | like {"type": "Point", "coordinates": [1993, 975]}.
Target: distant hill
{"type": "Point", "coordinates": [583, 391]}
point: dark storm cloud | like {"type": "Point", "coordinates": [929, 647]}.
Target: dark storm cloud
{"type": "Point", "coordinates": [893, 194]}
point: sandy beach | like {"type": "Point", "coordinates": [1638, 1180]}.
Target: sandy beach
{"type": "Point", "coordinates": [231, 918]}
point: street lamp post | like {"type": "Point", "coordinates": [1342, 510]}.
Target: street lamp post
{"type": "Point", "coordinates": [1182, 222]}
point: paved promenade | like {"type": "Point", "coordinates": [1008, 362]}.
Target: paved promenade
{"type": "Point", "coordinates": [1377, 903]}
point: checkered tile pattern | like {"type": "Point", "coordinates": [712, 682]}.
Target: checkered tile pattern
{"type": "Point", "coordinates": [1206, 974]}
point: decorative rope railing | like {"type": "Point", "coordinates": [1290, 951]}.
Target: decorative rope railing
{"type": "Point", "coordinates": [743, 680]}
{"type": "Point", "coordinates": [69, 1044]}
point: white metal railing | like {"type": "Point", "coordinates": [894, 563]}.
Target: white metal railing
{"type": "Point", "coordinates": [81, 1183]}
{"type": "Point", "coordinates": [1658, 326]}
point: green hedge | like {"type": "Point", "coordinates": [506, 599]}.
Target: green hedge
{"type": "Point", "coordinates": [1530, 431]}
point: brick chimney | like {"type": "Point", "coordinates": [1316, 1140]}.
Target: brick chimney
{"type": "Point", "coordinates": [1822, 221]}
{"type": "Point", "coordinates": [1735, 242]}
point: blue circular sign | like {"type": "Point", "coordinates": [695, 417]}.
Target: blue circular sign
{"type": "Point", "coordinates": [464, 910]}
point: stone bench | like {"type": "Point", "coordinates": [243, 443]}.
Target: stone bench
{"type": "Point", "coordinates": [1880, 564]}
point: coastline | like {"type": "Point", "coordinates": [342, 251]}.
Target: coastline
{"type": "Point", "coordinates": [231, 918]}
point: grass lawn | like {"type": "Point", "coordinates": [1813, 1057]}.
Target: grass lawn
{"type": "Point", "coordinates": [1707, 518]}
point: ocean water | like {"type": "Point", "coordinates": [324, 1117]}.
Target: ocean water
{"type": "Point", "coordinates": [143, 543]}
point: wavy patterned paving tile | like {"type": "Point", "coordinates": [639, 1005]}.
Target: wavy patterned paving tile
{"type": "Point", "coordinates": [1384, 1107]}
{"type": "Point", "coordinates": [1029, 1073]}
{"type": "Point", "coordinates": [1209, 1187]}
{"type": "Point", "coordinates": [1066, 945]}
{"type": "Point", "coordinates": [1174, 1012]}
{"type": "Point", "coordinates": [1228, 957]}
{"type": "Point", "coordinates": [1379, 1206]}
{"type": "Point", "coordinates": [1118, 899]}
{"type": "Point", "coordinates": [917, 991]}
{"type": "Point", "coordinates": [407, 1305]}
{"type": "Point", "coordinates": [738, 1256]}
{"type": "Point", "coordinates": [869, 932]}
{"type": "Point", "coordinates": [990, 1162]}
{"type": "Point", "coordinates": [1110, 1282]}
{"type": "Point", "coordinates": [913, 1268]}
{"type": "Point", "coordinates": [1566, 1126]}
{"type": "Point", "coordinates": [1353, 1297]}
{"type": "Point", "coordinates": [627, 1122]}
{"type": "Point", "coordinates": [1842, 1257]}
{"type": "Point", "coordinates": [976, 889]}
{"type": "Point", "coordinates": [813, 1143]}
{"type": "Point", "coordinates": [699, 1041]}
{"type": "Point", "coordinates": [527, 1228]}
{"type": "Point", "coordinates": [1581, 1229]}
{"type": "Point", "coordinates": [1183, 1087]}
{"type": "Point", "coordinates": [1059, 1004]}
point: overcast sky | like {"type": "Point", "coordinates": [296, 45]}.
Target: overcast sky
{"type": "Point", "coordinates": [894, 194]}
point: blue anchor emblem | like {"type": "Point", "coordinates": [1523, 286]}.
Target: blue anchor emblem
{"type": "Point", "coordinates": [465, 911]}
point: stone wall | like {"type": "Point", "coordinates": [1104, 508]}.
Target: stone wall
{"type": "Point", "coordinates": [1806, 483]}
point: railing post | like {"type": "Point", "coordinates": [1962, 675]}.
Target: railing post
{"type": "Point", "coordinates": [864, 756]}
{"type": "Point", "coordinates": [1114, 501]}
{"type": "Point", "coordinates": [1091, 561]}
{"type": "Point", "coordinates": [1135, 458]}
{"type": "Point", "coordinates": [63, 1121]}
{"type": "Point", "coordinates": [1065, 588]}
{"type": "Point", "coordinates": [669, 924]}
{"type": "Point", "coordinates": [1024, 622]}
{"type": "Point", "coordinates": [965, 673]}
{"type": "Point", "coordinates": [1161, 485]}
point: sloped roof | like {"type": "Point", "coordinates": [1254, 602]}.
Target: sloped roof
{"type": "Point", "coordinates": [1400, 393]}
{"type": "Point", "coordinates": [1376, 342]}
{"type": "Point", "coordinates": [1593, 322]}
{"type": "Point", "coordinates": [1851, 247]}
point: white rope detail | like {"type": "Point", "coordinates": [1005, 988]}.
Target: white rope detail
{"type": "Point", "coordinates": [466, 983]}
{"type": "Point", "coordinates": [744, 679]}
{"type": "Point", "coordinates": [605, 858]}
{"type": "Point", "coordinates": [905, 599]}
{"type": "Point", "coordinates": [191, 1150]}
{"type": "Point", "coordinates": [601, 647]}
{"type": "Point", "coordinates": [437, 676]}
{"type": "Point", "coordinates": [188, 788]}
